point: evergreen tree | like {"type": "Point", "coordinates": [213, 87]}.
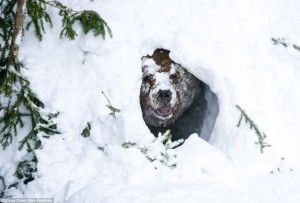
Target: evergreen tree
{"type": "Point", "coordinates": [17, 100]}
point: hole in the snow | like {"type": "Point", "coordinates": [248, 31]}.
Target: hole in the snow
{"type": "Point", "coordinates": [172, 98]}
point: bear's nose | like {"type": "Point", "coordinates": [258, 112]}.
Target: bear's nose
{"type": "Point", "coordinates": [164, 95]}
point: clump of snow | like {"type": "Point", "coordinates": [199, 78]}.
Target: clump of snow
{"type": "Point", "coordinates": [227, 45]}
{"type": "Point", "coordinates": [160, 151]}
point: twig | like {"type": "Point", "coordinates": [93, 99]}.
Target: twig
{"type": "Point", "coordinates": [69, 10]}
{"type": "Point", "coordinates": [113, 110]}
{"type": "Point", "coordinates": [106, 98]}
{"type": "Point", "coordinates": [260, 135]}
{"type": "Point", "coordinates": [284, 43]}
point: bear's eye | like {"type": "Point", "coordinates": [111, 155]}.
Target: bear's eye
{"type": "Point", "coordinates": [174, 76]}
{"type": "Point", "coordinates": [148, 77]}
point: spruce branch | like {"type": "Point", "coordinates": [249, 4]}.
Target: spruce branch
{"type": "Point", "coordinates": [36, 11]}
{"type": "Point", "coordinates": [280, 41]}
{"type": "Point", "coordinates": [26, 168]}
{"type": "Point", "coordinates": [113, 110]}
{"type": "Point", "coordinates": [129, 145]}
{"type": "Point", "coordinates": [25, 99]}
{"type": "Point", "coordinates": [86, 132]}
{"type": "Point", "coordinates": [260, 135]}
{"type": "Point", "coordinates": [89, 20]}
{"type": "Point", "coordinates": [2, 187]}
{"type": "Point", "coordinates": [296, 47]}
{"type": "Point", "coordinates": [284, 43]}
{"type": "Point", "coordinates": [17, 101]}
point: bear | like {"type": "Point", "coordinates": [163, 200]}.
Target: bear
{"type": "Point", "coordinates": [171, 98]}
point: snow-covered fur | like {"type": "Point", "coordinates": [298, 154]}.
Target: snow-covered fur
{"type": "Point", "coordinates": [170, 96]}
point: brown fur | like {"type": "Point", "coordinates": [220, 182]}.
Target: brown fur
{"type": "Point", "coordinates": [161, 58]}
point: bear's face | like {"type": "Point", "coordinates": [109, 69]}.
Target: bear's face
{"type": "Point", "coordinates": [167, 89]}
{"type": "Point", "coordinates": [161, 87]}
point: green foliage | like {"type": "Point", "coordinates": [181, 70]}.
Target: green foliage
{"type": "Point", "coordinates": [44, 125]}
{"type": "Point", "coordinates": [160, 150]}
{"type": "Point", "coordinates": [260, 135]}
{"type": "Point", "coordinates": [17, 101]}
{"type": "Point", "coordinates": [36, 11]}
{"type": "Point", "coordinates": [113, 110]}
{"type": "Point", "coordinates": [92, 21]}
{"type": "Point", "coordinates": [7, 19]}
{"type": "Point", "coordinates": [283, 42]}
{"type": "Point", "coordinates": [19, 105]}
{"type": "Point", "coordinates": [2, 187]}
{"type": "Point", "coordinates": [87, 130]}
{"type": "Point", "coordinates": [89, 20]}
{"type": "Point", "coordinates": [129, 145]}
{"type": "Point", "coordinates": [167, 137]}
{"type": "Point", "coordinates": [279, 41]}
{"type": "Point", "coordinates": [296, 47]}
{"type": "Point", "coordinates": [26, 168]}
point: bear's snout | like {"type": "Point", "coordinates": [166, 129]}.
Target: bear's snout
{"type": "Point", "coordinates": [164, 97]}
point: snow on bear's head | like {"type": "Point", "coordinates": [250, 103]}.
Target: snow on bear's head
{"type": "Point", "coordinates": [167, 89]}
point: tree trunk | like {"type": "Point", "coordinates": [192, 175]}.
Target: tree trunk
{"type": "Point", "coordinates": [19, 20]}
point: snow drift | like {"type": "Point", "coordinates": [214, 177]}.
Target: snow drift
{"type": "Point", "coordinates": [227, 45]}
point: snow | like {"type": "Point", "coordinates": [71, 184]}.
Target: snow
{"type": "Point", "coordinates": [227, 45]}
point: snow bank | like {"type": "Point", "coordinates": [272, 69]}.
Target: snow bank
{"type": "Point", "coordinates": [227, 45]}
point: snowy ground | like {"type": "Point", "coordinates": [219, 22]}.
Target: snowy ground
{"type": "Point", "coordinates": [226, 44]}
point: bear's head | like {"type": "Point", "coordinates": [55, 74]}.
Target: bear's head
{"type": "Point", "coordinates": [167, 89]}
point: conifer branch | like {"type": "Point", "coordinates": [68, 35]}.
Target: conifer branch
{"type": "Point", "coordinates": [284, 43]}
{"type": "Point", "coordinates": [280, 41]}
{"type": "Point", "coordinates": [15, 93]}
{"type": "Point", "coordinates": [36, 11]}
{"type": "Point", "coordinates": [59, 6]}
{"type": "Point", "coordinates": [113, 110]}
{"type": "Point", "coordinates": [26, 168]}
{"type": "Point", "coordinates": [260, 135]}
{"type": "Point", "coordinates": [17, 100]}
{"type": "Point", "coordinates": [86, 132]}
{"type": "Point", "coordinates": [89, 20]}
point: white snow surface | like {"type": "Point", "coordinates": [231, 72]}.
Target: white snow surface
{"type": "Point", "coordinates": [227, 44]}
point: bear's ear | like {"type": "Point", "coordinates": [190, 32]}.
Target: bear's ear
{"type": "Point", "coordinates": [144, 58]}
{"type": "Point", "coordinates": [177, 66]}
